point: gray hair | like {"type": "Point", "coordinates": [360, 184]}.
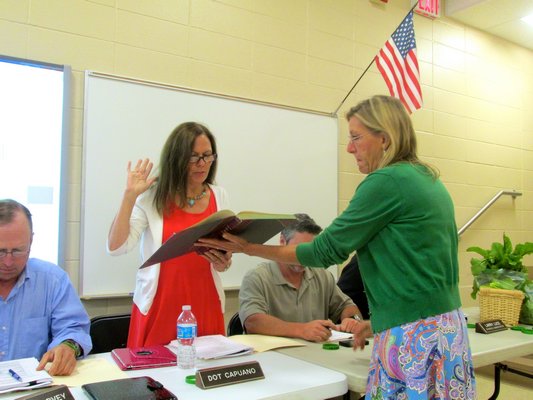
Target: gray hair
{"type": "Point", "coordinates": [9, 207]}
{"type": "Point", "coordinates": [303, 224]}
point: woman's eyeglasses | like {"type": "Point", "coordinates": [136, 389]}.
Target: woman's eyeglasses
{"type": "Point", "coordinates": [209, 158]}
{"type": "Point", "coordinates": [354, 139]}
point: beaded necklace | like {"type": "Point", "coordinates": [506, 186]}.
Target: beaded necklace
{"type": "Point", "coordinates": [191, 201]}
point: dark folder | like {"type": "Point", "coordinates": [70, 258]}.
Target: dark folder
{"type": "Point", "coordinates": [140, 388]}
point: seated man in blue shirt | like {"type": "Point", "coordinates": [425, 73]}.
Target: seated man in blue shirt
{"type": "Point", "coordinates": [291, 300]}
{"type": "Point", "coordinates": [41, 315]}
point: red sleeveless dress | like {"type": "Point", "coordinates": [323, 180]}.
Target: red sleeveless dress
{"type": "Point", "coordinates": [182, 280]}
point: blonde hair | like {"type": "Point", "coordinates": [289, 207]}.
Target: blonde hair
{"type": "Point", "coordinates": [386, 115]}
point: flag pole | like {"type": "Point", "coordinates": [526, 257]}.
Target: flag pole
{"type": "Point", "coordinates": [369, 65]}
{"type": "Point", "coordinates": [353, 87]}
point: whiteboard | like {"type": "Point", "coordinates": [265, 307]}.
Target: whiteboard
{"type": "Point", "coordinates": [271, 159]}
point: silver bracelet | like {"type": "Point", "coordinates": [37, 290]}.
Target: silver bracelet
{"type": "Point", "coordinates": [357, 317]}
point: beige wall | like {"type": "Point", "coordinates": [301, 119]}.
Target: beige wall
{"type": "Point", "coordinates": [476, 125]}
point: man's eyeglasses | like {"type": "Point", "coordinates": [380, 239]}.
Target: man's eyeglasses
{"type": "Point", "coordinates": [205, 158]}
{"type": "Point", "coordinates": [14, 253]}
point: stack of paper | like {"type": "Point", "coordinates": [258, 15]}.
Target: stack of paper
{"type": "Point", "coordinates": [215, 346]}
{"type": "Point", "coordinates": [338, 335]}
{"type": "Point", "coordinates": [21, 374]}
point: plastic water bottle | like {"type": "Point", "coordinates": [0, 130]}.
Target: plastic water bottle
{"type": "Point", "coordinates": [186, 332]}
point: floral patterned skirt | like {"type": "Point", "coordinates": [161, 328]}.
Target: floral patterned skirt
{"type": "Point", "coordinates": [426, 359]}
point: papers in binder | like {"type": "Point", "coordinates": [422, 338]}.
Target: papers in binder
{"type": "Point", "coordinates": [253, 226]}
{"type": "Point", "coordinates": [21, 374]}
{"type": "Point", "coordinates": [215, 346]}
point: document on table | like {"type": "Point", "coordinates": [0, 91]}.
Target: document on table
{"type": "Point", "coordinates": [90, 370]}
{"type": "Point", "coordinates": [262, 343]}
{"type": "Point", "coordinates": [215, 346]}
{"type": "Point", "coordinates": [338, 335]}
{"type": "Point", "coordinates": [21, 374]}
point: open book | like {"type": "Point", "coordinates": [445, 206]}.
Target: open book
{"type": "Point", "coordinates": [253, 226]}
{"type": "Point", "coordinates": [21, 374]}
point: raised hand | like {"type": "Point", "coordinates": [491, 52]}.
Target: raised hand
{"type": "Point", "coordinates": [139, 179]}
{"type": "Point", "coordinates": [137, 183]}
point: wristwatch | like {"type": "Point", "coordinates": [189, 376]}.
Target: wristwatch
{"type": "Point", "coordinates": [78, 351]}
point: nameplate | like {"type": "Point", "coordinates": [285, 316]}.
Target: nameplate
{"type": "Point", "coordinates": [60, 392]}
{"type": "Point", "coordinates": [208, 378]}
{"type": "Point", "coordinates": [495, 325]}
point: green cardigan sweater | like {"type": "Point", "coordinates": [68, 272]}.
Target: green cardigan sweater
{"type": "Point", "coordinates": [401, 222]}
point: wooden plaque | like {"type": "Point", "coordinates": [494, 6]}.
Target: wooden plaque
{"type": "Point", "coordinates": [495, 325]}
{"type": "Point", "coordinates": [55, 392]}
{"type": "Point", "coordinates": [208, 378]}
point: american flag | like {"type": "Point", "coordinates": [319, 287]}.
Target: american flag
{"type": "Point", "coordinates": [398, 65]}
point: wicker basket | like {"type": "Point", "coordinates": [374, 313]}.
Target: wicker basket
{"type": "Point", "coordinates": [500, 304]}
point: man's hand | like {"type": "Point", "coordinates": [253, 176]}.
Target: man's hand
{"type": "Point", "coordinates": [318, 330]}
{"type": "Point", "coordinates": [62, 358]}
{"type": "Point", "coordinates": [348, 325]}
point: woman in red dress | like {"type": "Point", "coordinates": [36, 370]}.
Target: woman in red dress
{"type": "Point", "coordinates": [152, 209]}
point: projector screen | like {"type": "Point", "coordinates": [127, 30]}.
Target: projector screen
{"type": "Point", "coordinates": [33, 147]}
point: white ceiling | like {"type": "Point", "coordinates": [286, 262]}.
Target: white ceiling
{"type": "Point", "coordinates": [498, 17]}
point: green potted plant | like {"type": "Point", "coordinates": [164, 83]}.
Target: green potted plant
{"type": "Point", "coordinates": [501, 267]}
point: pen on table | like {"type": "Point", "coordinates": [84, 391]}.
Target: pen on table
{"type": "Point", "coordinates": [15, 375]}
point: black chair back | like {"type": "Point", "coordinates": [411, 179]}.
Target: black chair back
{"type": "Point", "coordinates": [109, 332]}
{"type": "Point", "coordinates": [235, 326]}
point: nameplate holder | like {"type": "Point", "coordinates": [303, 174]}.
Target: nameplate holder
{"type": "Point", "coordinates": [208, 378]}
{"type": "Point", "coordinates": [60, 392]}
{"type": "Point", "coordinates": [495, 325]}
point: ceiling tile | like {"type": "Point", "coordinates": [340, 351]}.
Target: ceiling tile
{"type": "Point", "coordinates": [497, 17]}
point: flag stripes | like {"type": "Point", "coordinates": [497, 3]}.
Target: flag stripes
{"type": "Point", "coordinates": [398, 64]}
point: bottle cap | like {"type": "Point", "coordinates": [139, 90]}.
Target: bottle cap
{"type": "Point", "coordinates": [186, 307]}
{"type": "Point", "coordinates": [190, 379]}
{"type": "Point", "coordinates": [330, 346]}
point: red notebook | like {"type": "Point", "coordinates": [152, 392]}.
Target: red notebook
{"type": "Point", "coordinates": [144, 357]}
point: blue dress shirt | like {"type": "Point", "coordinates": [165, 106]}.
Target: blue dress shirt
{"type": "Point", "coordinates": [40, 312]}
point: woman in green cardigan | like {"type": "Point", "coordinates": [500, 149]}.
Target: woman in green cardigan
{"type": "Point", "coordinates": [401, 223]}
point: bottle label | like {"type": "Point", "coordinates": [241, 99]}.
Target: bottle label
{"type": "Point", "coordinates": [186, 331]}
